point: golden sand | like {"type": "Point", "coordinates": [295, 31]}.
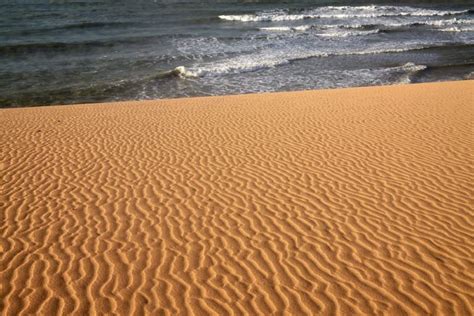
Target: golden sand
{"type": "Point", "coordinates": [354, 201]}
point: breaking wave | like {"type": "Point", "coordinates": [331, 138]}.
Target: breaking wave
{"type": "Point", "coordinates": [340, 12]}
{"type": "Point", "coordinates": [249, 63]}
{"type": "Point", "coordinates": [367, 26]}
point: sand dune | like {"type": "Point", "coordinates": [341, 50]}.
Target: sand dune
{"type": "Point", "coordinates": [355, 201]}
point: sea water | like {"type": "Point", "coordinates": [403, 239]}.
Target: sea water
{"type": "Point", "coordinates": [66, 52]}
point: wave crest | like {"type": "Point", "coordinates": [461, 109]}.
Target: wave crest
{"type": "Point", "coordinates": [251, 63]}
{"type": "Point", "coordinates": [340, 12]}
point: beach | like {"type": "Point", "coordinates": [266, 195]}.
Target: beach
{"type": "Point", "coordinates": [352, 201]}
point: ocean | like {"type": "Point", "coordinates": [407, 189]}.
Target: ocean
{"type": "Point", "coordinates": [66, 52]}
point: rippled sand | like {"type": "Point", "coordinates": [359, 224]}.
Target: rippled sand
{"type": "Point", "coordinates": [355, 201]}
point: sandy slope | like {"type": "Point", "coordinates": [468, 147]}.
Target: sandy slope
{"type": "Point", "coordinates": [355, 201]}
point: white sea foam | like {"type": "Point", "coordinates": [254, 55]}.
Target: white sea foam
{"type": "Point", "coordinates": [265, 17]}
{"type": "Point", "coordinates": [340, 12]}
{"type": "Point", "coordinates": [409, 70]}
{"type": "Point", "coordinates": [412, 67]}
{"type": "Point", "coordinates": [469, 76]}
{"type": "Point", "coordinates": [345, 33]}
{"type": "Point", "coordinates": [438, 23]}
{"type": "Point", "coordinates": [237, 64]}
{"type": "Point", "coordinates": [459, 28]}
{"type": "Point", "coordinates": [458, 25]}
{"type": "Point", "coordinates": [265, 60]}
{"type": "Point", "coordinates": [301, 28]}
{"type": "Point", "coordinates": [453, 21]}
{"type": "Point", "coordinates": [184, 72]}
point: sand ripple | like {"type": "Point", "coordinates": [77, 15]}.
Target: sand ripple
{"type": "Point", "coordinates": [346, 202]}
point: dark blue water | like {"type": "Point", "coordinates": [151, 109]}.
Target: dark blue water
{"type": "Point", "coordinates": [93, 51]}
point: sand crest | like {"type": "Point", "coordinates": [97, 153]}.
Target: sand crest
{"type": "Point", "coordinates": [354, 201]}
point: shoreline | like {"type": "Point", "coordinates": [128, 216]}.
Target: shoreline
{"type": "Point", "coordinates": [231, 95]}
{"type": "Point", "coordinates": [352, 201]}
